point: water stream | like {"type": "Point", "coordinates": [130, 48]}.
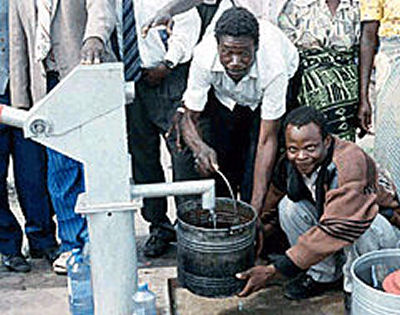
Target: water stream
{"type": "Point", "coordinates": [213, 214]}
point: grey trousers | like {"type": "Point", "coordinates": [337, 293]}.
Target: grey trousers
{"type": "Point", "coordinates": [298, 217]}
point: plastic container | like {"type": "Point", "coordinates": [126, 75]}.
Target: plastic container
{"type": "Point", "coordinates": [79, 283]}
{"type": "Point", "coordinates": [365, 299]}
{"type": "Point", "coordinates": [144, 301]}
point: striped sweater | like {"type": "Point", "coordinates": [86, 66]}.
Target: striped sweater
{"type": "Point", "coordinates": [351, 190]}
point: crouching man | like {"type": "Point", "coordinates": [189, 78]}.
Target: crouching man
{"type": "Point", "coordinates": [331, 200]}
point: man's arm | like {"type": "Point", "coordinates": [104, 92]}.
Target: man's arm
{"type": "Point", "coordinates": [205, 156]}
{"type": "Point", "coordinates": [195, 99]}
{"type": "Point", "coordinates": [163, 16]}
{"type": "Point", "coordinates": [181, 43]}
{"type": "Point", "coordinates": [264, 164]}
{"type": "Point", "coordinates": [101, 21]}
{"type": "Point", "coordinates": [368, 44]}
{"type": "Point", "coordinates": [265, 159]}
{"type": "Point", "coordinates": [178, 6]}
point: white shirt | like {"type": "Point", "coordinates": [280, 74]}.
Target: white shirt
{"type": "Point", "coordinates": [311, 182]}
{"type": "Point", "coordinates": [266, 83]}
{"type": "Point", "coordinates": [185, 34]}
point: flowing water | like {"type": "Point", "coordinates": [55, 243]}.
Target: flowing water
{"type": "Point", "coordinates": [213, 214]}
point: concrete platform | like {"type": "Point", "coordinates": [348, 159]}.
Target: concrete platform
{"type": "Point", "coordinates": [268, 301]}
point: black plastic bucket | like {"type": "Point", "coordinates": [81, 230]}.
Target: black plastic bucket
{"type": "Point", "coordinates": [209, 258]}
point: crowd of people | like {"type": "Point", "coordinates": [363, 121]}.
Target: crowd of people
{"type": "Point", "coordinates": [271, 93]}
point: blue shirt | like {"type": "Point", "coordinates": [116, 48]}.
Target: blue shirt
{"type": "Point", "coordinates": [4, 46]}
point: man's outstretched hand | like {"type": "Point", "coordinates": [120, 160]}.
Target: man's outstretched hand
{"type": "Point", "coordinates": [257, 278]}
{"type": "Point", "coordinates": [160, 18]}
{"type": "Point", "coordinates": [92, 51]}
{"type": "Point", "coordinates": [164, 15]}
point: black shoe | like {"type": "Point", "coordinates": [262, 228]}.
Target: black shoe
{"type": "Point", "coordinates": [51, 254]}
{"type": "Point", "coordinates": [158, 242]}
{"type": "Point", "coordinates": [167, 231]}
{"type": "Point", "coordinates": [303, 287]}
{"type": "Point", "coordinates": [15, 263]}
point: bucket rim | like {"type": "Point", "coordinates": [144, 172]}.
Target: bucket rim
{"type": "Point", "coordinates": [386, 252]}
{"type": "Point", "coordinates": [237, 227]}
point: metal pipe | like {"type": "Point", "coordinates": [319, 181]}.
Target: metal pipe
{"type": "Point", "coordinates": [208, 197]}
{"type": "Point", "coordinates": [12, 116]}
{"type": "Point", "coordinates": [113, 261]}
{"type": "Point", "coordinates": [204, 187]}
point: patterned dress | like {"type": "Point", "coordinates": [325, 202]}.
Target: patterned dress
{"type": "Point", "coordinates": [328, 46]}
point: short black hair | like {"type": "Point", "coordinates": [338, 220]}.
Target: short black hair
{"type": "Point", "coordinates": [304, 115]}
{"type": "Point", "coordinates": [237, 22]}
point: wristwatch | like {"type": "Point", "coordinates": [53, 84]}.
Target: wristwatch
{"type": "Point", "coordinates": [169, 64]}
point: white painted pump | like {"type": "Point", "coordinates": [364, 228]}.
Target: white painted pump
{"type": "Point", "coordinates": [84, 118]}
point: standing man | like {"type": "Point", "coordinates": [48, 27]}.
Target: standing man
{"type": "Point", "coordinates": [48, 39]}
{"type": "Point", "coordinates": [29, 162]}
{"type": "Point", "coordinates": [235, 97]}
{"type": "Point", "coordinates": [380, 23]}
{"type": "Point", "coordinates": [159, 67]}
{"type": "Point", "coordinates": [328, 196]}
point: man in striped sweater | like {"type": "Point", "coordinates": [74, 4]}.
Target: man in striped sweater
{"type": "Point", "coordinates": [332, 202]}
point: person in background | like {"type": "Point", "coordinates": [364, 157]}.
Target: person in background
{"type": "Point", "coordinates": [162, 67]}
{"type": "Point", "coordinates": [334, 204]}
{"type": "Point", "coordinates": [48, 38]}
{"type": "Point", "coordinates": [326, 34]}
{"type": "Point", "coordinates": [380, 27]}
{"type": "Point", "coordinates": [29, 166]}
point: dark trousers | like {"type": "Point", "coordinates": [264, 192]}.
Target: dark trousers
{"type": "Point", "coordinates": [234, 137]}
{"type": "Point", "coordinates": [149, 117]}
{"type": "Point", "coordinates": [29, 161]}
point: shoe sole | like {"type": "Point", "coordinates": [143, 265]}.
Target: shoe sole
{"type": "Point", "coordinates": [303, 297]}
{"type": "Point", "coordinates": [16, 270]}
{"type": "Point", "coordinates": [297, 298]}
{"type": "Point", "coordinates": [60, 271]}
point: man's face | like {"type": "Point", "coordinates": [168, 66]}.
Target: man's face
{"type": "Point", "coordinates": [305, 148]}
{"type": "Point", "coordinates": [237, 55]}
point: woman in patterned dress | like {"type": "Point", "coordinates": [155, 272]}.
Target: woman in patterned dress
{"type": "Point", "coordinates": [326, 32]}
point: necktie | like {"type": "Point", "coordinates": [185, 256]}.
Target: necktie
{"type": "Point", "coordinates": [131, 57]}
{"type": "Point", "coordinates": [43, 41]}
